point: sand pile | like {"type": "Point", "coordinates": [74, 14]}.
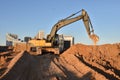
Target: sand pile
{"type": "Point", "coordinates": [79, 62]}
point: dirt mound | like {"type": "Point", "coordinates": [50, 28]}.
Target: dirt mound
{"type": "Point", "coordinates": [80, 62]}
{"type": "Point", "coordinates": [103, 59]}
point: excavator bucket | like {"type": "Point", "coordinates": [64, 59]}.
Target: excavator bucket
{"type": "Point", "coordinates": [94, 38]}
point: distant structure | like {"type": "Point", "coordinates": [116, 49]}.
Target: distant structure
{"type": "Point", "coordinates": [26, 39]}
{"type": "Point", "coordinates": [68, 41]}
{"type": "Point", "coordinates": [40, 35]}
{"type": "Point", "coordinates": [11, 39]}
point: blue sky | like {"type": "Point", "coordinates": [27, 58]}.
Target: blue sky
{"type": "Point", "coordinates": [27, 17]}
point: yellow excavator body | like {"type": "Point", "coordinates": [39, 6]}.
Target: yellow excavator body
{"type": "Point", "coordinates": [40, 43]}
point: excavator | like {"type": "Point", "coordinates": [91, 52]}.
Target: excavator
{"type": "Point", "coordinates": [53, 41]}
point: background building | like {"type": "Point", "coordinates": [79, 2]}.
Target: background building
{"type": "Point", "coordinates": [40, 35]}
{"type": "Point", "coordinates": [68, 41]}
{"type": "Point", "coordinates": [11, 39]}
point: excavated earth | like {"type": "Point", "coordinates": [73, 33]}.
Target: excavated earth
{"type": "Point", "coordinates": [79, 62]}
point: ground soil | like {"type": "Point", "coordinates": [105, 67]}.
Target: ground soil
{"type": "Point", "coordinates": [79, 62]}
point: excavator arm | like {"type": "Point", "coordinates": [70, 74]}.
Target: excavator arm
{"type": "Point", "coordinates": [84, 16]}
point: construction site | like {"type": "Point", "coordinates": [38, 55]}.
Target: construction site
{"type": "Point", "coordinates": [57, 57]}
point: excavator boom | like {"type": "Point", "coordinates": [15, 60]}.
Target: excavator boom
{"type": "Point", "coordinates": [84, 16]}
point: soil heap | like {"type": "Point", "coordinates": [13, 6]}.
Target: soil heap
{"type": "Point", "coordinates": [79, 62]}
